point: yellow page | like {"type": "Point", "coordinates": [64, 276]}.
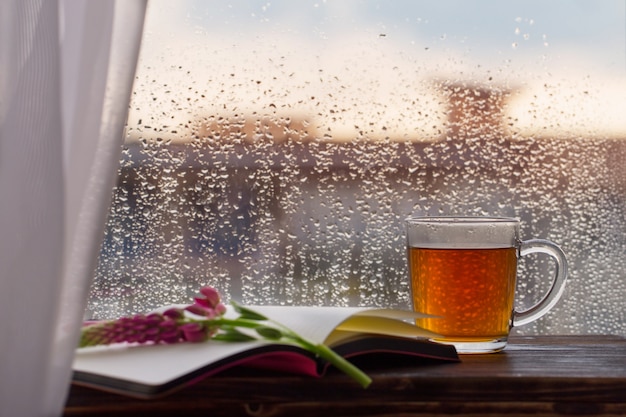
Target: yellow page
{"type": "Point", "coordinates": [382, 322]}
{"type": "Point", "coordinates": [333, 324]}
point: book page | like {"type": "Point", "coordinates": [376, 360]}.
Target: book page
{"type": "Point", "coordinates": [331, 325]}
{"type": "Point", "coordinates": [359, 324]}
{"type": "Point", "coordinates": [311, 322]}
{"type": "Point", "coordinates": [155, 365]}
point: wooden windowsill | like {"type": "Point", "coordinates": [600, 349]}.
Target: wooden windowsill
{"type": "Point", "coordinates": [541, 375]}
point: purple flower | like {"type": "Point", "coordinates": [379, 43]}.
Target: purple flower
{"type": "Point", "coordinates": [211, 296]}
{"type": "Point", "coordinates": [195, 332]}
{"type": "Point", "coordinates": [208, 305]}
{"type": "Point", "coordinates": [170, 326]}
{"type": "Point", "coordinates": [174, 313]}
{"type": "Point", "coordinates": [151, 328]}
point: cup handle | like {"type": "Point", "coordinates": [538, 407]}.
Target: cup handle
{"type": "Point", "coordinates": [558, 285]}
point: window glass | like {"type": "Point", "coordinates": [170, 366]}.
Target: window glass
{"type": "Point", "coordinates": [274, 149]}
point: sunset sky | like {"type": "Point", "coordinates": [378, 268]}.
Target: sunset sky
{"type": "Point", "coordinates": [563, 60]}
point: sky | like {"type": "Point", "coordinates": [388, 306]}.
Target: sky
{"type": "Point", "coordinates": [588, 25]}
{"type": "Point", "coordinates": [566, 59]}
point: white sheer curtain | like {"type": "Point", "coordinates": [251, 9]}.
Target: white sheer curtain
{"type": "Point", "coordinates": [66, 72]}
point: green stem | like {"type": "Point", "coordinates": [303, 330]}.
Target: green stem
{"type": "Point", "coordinates": [239, 322]}
{"type": "Point", "coordinates": [342, 364]}
{"type": "Point", "coordinates": [329, 355]}
{"type": "Point", "coordinates": [321, 350]}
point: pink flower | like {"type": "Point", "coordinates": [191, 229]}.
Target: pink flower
{"type": "Point", "coordinates": [194, 332]}
{"type": "Point", "coordinates": [171, 326]}
{"type": "Point", "coordinates": [208, 305]}
{"type": "Point", "coordinates": [211, 296]}
{"type": "Point", "coordinates": [151, 328]}
{"type": "Point", "coordinates": [174, 313]}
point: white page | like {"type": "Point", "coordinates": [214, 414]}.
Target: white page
{"type": "Point", "coordinates": [159, 364]}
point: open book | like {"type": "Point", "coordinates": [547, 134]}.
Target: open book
{"type": "Point", "coordinates": [149, 371]}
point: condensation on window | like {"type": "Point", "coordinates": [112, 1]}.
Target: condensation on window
{"type": "Point", "coordinates": [274, 150]}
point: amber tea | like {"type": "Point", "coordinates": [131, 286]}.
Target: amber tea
{"type": "Point", "coordinates": [463, 271]}
{"type": "Point", "coordinates": [471, 289]}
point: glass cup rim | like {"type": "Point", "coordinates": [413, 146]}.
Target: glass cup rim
{"type": "Point", "coordinates": [465, 220]}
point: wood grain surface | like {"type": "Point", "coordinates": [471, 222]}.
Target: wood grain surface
{"type": "Point", "coordinates": [538, 376]}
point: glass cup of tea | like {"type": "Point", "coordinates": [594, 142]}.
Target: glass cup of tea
{"type": "Point", "coordinates": [463, 271]}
